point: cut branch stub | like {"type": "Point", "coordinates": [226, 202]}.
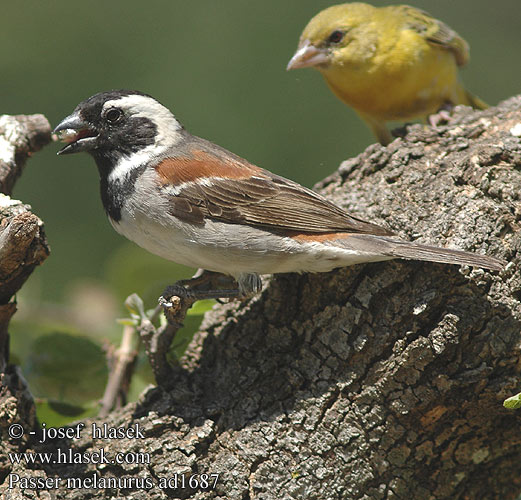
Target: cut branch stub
{"type": "Point", "coordinates": [20, 137]}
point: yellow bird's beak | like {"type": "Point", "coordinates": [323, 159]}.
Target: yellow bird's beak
{"type": "Point", "coordinates": [307, 55]}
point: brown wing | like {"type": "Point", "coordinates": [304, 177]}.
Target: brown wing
{"type": "Point", "coordinates": [436, 32]}
{"type": "Point", "coordinates": [244, 194]}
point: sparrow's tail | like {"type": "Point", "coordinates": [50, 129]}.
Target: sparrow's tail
{"type": "Point", "coordinates": [396, 248]}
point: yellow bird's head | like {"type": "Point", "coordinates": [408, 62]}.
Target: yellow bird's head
{"type": "Point", "coordinates": [339, 36]}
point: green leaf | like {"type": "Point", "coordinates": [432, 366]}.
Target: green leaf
{"type": "Point", "coordinates": [200, 307]}
{"type": "Point", "coordinates": [135, 305]}
{"type": "Point", "coordinates": [127, 321]}
{"type": "Point", "coordinates": [66, 368]}
{"type": "Point", "coordinates": [56, 413]}
{"type": "Point", "coordinates": [66, 409]}
{"type": "Point", "coordinates": [513, 403]}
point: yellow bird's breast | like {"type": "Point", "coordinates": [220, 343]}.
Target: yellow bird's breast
{"type": "Point", "coordinates": [405, 78]}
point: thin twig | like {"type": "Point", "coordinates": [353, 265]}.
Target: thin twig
{"type": "Point", "coordinates": [157, 341]}
{"type": "Point", "coordinates": [122, 364]}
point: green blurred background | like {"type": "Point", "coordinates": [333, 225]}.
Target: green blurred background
{"type": "Point", "coordinates": [220, 67]}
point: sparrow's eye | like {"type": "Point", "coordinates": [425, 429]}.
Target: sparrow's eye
{"type": "Point", "coordinates": [336, 37]}
{"type": "Point", "coordinates": [113, 115]}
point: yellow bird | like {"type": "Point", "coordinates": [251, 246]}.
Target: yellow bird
{"type": "Point", "coordinates": [393, 63]}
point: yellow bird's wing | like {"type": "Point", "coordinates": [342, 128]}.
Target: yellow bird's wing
{"type": "Point", "coordinates": [435, 32]}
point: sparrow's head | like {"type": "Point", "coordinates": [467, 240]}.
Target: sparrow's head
{"type": "Point", "coordinates": [115, 124]}
{"type": "Point", "coordinates": [337, 36]}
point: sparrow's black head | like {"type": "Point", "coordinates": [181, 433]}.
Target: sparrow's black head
{"type": "Point", "coordinates": [115, 124]}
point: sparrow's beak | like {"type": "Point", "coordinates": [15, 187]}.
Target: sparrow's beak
{"type": "Point", "coordinates": [307, 55]}
{"type": "Point", "coordinates": [76, 133]}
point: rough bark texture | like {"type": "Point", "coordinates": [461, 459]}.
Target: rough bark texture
{"type": "Point", "coordinates": [382, 381]}
{"type": "Point", "coordinates": [20, 137]}
{"type": "Point", "coordinates": [23, 246]}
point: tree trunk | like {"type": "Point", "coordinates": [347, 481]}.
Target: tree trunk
{"type": "Point", "coordinates": [380, 381]}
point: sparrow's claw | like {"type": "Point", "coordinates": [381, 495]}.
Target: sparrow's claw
{"type": "Point", "coordinates": [177, 297]}
{"type": "Point", "coordinates": [208, 285]}
{"type": "Point", "coordinates": [442, 116]}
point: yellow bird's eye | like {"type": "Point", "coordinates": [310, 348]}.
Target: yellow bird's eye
{"type": "Point", "coordinates": [336, 36]}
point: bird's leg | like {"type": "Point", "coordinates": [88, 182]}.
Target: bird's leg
{"type": "Point", "coordinates": [441, 116]}
{"type": "Point", "coordinates": [201, 277]}
{"type": "Point", "coordinates": [203, 285]}
{"type": "Point", "coordinates": [192, 295]}
{"type": "Point", "coordinates": [178, 298]}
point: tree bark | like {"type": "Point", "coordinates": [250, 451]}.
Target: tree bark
{"type": "Point", "coordinates": [20, 137]}
{"type": "Point", "coordinates": [379, 381]}
{"type": "Point", "coordinates": [23, 246]}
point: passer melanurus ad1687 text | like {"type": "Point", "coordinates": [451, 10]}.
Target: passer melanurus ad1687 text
{"type": "Point", "coordinates": [188, 200]}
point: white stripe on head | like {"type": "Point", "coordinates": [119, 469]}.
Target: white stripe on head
{"type": "Point", "coordinates": [167, 130]}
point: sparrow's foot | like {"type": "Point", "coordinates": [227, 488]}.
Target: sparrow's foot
{"type": "Point", "coordinates": [442, 116]}
{"type": "Point", "coordinates": [208, 285]}
{"type": "Point", "coordinates": [204, 279]}
{"type": "Point", "coordinates": [177, 297]}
